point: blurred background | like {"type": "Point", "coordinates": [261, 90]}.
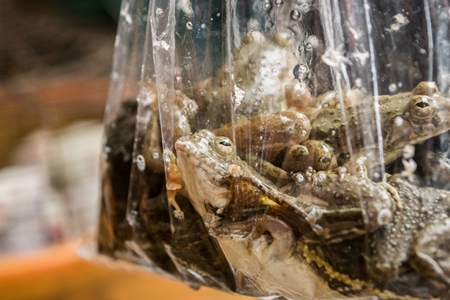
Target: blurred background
{"type": "Point", "coordinates": [55, 62]}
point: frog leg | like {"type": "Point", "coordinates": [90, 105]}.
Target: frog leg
{"type": "Point", "coordinates": [178, 213]}
{"type": "Point", "coordinates": [265, 168]}
{"type": "Point", "coordinates": [361, 172]}
{"type": "Point", "coordinates": [392, 190]}
{"type": "Point", "coordinates": [173, 183]}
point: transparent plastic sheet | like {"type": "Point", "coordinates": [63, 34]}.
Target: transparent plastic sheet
{"type": "Point", "coordinates": [284, 149]}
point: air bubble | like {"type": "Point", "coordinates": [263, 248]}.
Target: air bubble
{"type": "Point", "coordinates": [279, 2]}
{"type": "Point", "coordinates": [301, 71]}
{"type": "Point", "coordinates": [296, 15]}
{"type": "Point", "coordinates": [358, 82]}
{"type": "Point", "coordinates": [308, 47]}
{"type": "Point", "coordinates": [392, 88]}
{"type": "Point", "coordinates": [189, 25]}
{"type": "Point", "coordinates": [299, 177]}
{"type": "Point", "coordinates": [155, 155]}
{"type": "Point", "coordinates": [267, 5]}
{"type": "Point", "coordinates": [140, 162]}
{"type": "Point", "coordinates": [159, 11]}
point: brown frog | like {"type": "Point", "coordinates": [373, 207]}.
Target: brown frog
{"type": "Point", "coordinates": [349, 197]}
{"type": "Point", "coordinates": [267, 135]}
{"type": "Point", "coordinates": [311, 153]}
{"type": "Point", "coordinates": [375, 134]}
{"type": "Point", "coordinates": [417, 235]}
{"type": "Point", "coordinates": [258, 80]}
{"type": "Point", "coordinates": [328, 203]}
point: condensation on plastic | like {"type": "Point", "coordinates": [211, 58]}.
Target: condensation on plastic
{"type": "Point", "coordinates": [237, 213]}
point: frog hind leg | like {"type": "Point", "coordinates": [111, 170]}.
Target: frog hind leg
{"type": "Point", "coordinates": [432, 251]}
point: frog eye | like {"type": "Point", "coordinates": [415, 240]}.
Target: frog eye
{"type": "Point", "coordinates": [421, 108]}
{"type": "Point", "coordinates": [224, 146]}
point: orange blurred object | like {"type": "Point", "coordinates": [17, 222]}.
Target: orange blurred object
{"type": "Point", "coordinates": [58, 273]}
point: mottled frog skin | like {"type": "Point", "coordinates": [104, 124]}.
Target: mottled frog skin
{"type": "Point", "coordinates": [347, 195]}
{"type": "Point", "coordinates": [404, 118]}
{"type": "Point", "coordinates": [214, 176]}
{"type": "Point", "coordinates": [267, 135]}
{"type": "Point", "coordinates": [418, 234]}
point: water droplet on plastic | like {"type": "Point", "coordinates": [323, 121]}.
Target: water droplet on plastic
{"type": "Point", "coordinates": [392, 88]}
{"type": "Point", "coordinates": [296, 15]}
{"type": "Point", "coordinates": [140, 162]}
{"type": "Point", "coordinates": [159, 11]}
{"type": "Point", "coordinates": [155, 155]}
{"type": "Point", "coordinates": [279, 2]}
{"type": "Point", "coordinates": [398, 121]}
{"type": "Point", "coordinates": [267, 5]}
{"type": "Point", "coordinates": [299, 177]}
{"type": "Point", "coordinates": [301, 71]}
{"type": "Point", "coordinates": [189, 25]}
{"type": "Point", "coordinates": [308, 47]}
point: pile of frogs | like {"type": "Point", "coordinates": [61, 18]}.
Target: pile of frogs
{"type": "Point", "coordinates": [290, 196]}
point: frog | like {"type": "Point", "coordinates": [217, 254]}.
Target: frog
{"type": "Point", "coordinates": [259, 79]}
{"type": "Point", "coordinates": [348, 197]}
{"type": "Point", "coordinates": [310, 153]}
{"type": "Point", "coordinates": [249, 216]}
{"type": "Point", "coordinates": [267, 135]}
{"type": "Point", "coordinates": [334, 100]}
{"type": "Point", "coordinates": [405, 118]}
{"type": "Point", "coordinates": [416, 239]}
{"type": "Point", "coordinates": [215, 178]}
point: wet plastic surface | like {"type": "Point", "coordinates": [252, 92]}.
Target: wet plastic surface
{"type": "Point", "coordinates": [284, 149]}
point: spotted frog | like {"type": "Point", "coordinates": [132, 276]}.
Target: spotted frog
{"type": "Point", "coordinates": [216, 179]}
{"type": "Point", "coordinates": [404, 118]}
{"type": "Point", "coordinates": [417, 236]}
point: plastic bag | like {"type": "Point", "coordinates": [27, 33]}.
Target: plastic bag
{"type": "Point", "coordinates": [284, 149]}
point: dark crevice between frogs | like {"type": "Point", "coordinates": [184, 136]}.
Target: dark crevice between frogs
{"type": "Point", "coordinates": [114, 229]}
{"type": "Point", "coordinates": [197, 256]}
